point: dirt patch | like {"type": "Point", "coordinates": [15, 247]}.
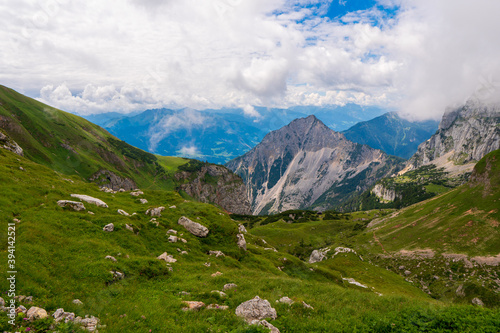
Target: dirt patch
{"type": "Point", "coordinates": [494, 223]}
{"type": "Point", "coordinates": [417, 254]}
{"type": "Point", "coordinates": [490, 261]}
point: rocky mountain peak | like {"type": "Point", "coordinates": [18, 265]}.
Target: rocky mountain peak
{"type": "Point", "coordinates": [305, 164]}
{"type": "Point", "coordinates": [465, 135]}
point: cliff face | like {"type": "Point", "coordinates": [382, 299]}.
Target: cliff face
{"type": "Point", "coordinates": [385, 194]}
{"type": "Point", "coordinates": [305, 164]}
{"type": "Point", "coordinates": [217, 185]}
{"type": "Point", "coordinates": [464, 136]}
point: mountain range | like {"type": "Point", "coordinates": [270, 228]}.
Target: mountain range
{"type": "Point", "coordinates": [218, 136]}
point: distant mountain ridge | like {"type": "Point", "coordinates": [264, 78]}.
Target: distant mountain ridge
{"type": "Point", "coordinates": [306, 164]}
{"type": "Point", "coordinates": [218, 135]}
{"type": "Point", "coordinates": [392, 134]}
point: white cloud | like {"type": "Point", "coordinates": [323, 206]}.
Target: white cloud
{"type": "Point", "coordinates": [97, 56]}
{"type": "Point", "coordinates": [250, 111]}
{"type": "Point", "coordinates": [187, 119]}
{"type": "Point", "coordinates": [189, 151]}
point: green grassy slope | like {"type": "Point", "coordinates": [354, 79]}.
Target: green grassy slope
{"type": "Point", "coordinates": [72, 145]}
{"type": "Point", "coordinates": [464, 220]}
{"type": "Point", "coordinates": [60, 256]}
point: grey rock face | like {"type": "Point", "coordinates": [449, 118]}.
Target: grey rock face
{"type": "Point", "coordinates": [226, 189]}
{"type": "Point", "coordinates": [91, 200]}
{"type": "Point", "coordinates": [477, 301]}
{"type": "Point", "coordinates": [307, 164]}
{"type": "Point", "coordinates": [193, 227]}
{"type": "Point", "coordinates": [35, 313]}
{"type": "Point", "coordinates": [106, 178]}
{"type": "Point", "coordinates": [167, 257]}
{"type": "Point", "coordinates": [155, 211]}
{"type": "Point", "coordinates": [465, 135]}
{"type": "Point", "coordinates": [242, 243]}
{"type": "Point", "coordinates": [256, 309]}
{"type": "Point", "coordinates": [318, 255]}
{"type": "Point", "coordinates": [109, 227]}
{"type": "Point", "coordinates": [7, 143]}
{"type": "Point", "coordinates": [75, 205]}
{"type": "Point", "coordinates": [385, 194]}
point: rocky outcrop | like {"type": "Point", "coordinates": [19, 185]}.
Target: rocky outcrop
{"type": "Point", "coordinates": [385, 194]}
{"type": "Point", "coordinates": [155, 211]}
{"type": "Point", "coordinates": [266, 324]}
{"type": "Point", "coordinates": [35, 313]}
{"type": "Point", "coordinates": [109, 227]}
{"type": "Point", "coordinates": [91, 200]}
{"type": "Point", "coordinates": [465, 135]}
{"type": "Point", "coordinates": [305, 164]}
{"type": "Point", "coordinates": [167, 257]}
{"type": "Point", "coordinates": [193, 227]}
{"type": "Point", "coordinates": [217, 185]}
{"type": "Point", "coordinates": [75, 205]}
{"type": "Point", "coordinates": [242, 244]}
{"type": "Point", "coordinates": [256, 309]}
{"type": "Point", "coordinates": [106, 178]}
{"type": "Point", "coordinates": [7, 143]}
{"type": "Point", "coordinates": [318, 255]}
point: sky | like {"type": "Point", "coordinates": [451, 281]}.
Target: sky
{"type": "Point", "coordinates": [416, 56]}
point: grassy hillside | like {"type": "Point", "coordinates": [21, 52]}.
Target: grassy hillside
{"type": "Point", "coordinates": [60, 256]}
{"type": "Point", "coordinates": [73, 146]}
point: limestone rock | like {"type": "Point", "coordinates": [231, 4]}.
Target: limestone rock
{"type": "Point", "coordinates": [192, 305]}
{"type": "Point", "coordinates": [90, 324]}
{"type": "Point", "coordinates": [242, 244]}
{"type": "Point", "coordinates": [77, 302]}
{"type": "Point", "coordinates": [477, 301]}
{"type": "Point", "coordinates": [109, 227]}
{"type": "Point", "coordinates": [91, 200]}
{"type": "Point", "coordinates": [242, 229]}
{"type": "Point", "coordinates": [256, 309]}
{"type": "Point", "coordinates": [106, 178]}
{"type": "Point", "coordinates": [172, 231]}
{"type": "Point", "coordinates": [217, 307]}
{"type": "Point", "coordinates": [221, 293]}
{"type": "Point", "coordinates": [129, 227]}
{"type": "Point", "coordinates": [193, 227]}
{"type": "Point", "coordinates": [155, 211]}
{"type": "Point", "coordinates": [318, 255]}
{"type": "Point", "coordinates": [35, 313]}
{"type": "Point", "coordinates": [117, 275]}
{"type": "Point", "coordinates": [122, 212]}
{"type": "Point", "coordinates": [172, 239]}
{"type": "Point", "coordinates": [2, 302]}
{"type": "Point", "coordinates": [166, 257]}
{"type": "Point", "coordinates": [216, 274]}
{"type": "Point", "coordinates": [172, 207]}
{"type": "Point", "coordinates": [75, 205]}
{"type": "Point", "coordinates": [136, 193]}
{"type": "Point", "coordinates": [143, 201]}
{"type": "Point", "coordinates": [286, 300]}
{"type": "Point", "coordinates": [229, 192]}
{"type": "Point", "coordinates": [307, 306]}
{"type": "Point", "coordinates": [266, 324]}
{"type": "Point", "coordinates": [7, 143]}
{"type": "Point", "coordinates": [228, 286]}
{"type": "Point", "coordinates": [110, 258]}
{"type": "Point", "coordinates": [217, 253]}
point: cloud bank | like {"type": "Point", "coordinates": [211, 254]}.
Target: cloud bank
{"type": "Point", "coordinates": [418, 56]}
